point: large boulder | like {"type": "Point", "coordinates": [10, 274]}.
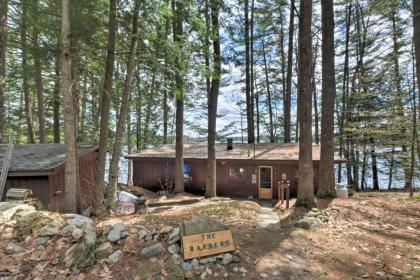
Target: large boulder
{"type": "Point", "coordinates": [9, 209]}
{"type": "Point", "coordinates": [116, 233]}
{"type": "Point", "coordinates": [77, 220]}
{"type": "Point", "coordinates": [89, 235]}
{"type": "Point", "coordinates": [200, 224]}
{"type": "Point", "coordinates": [104, 250]}
{"type": "Point", "coordinates": [31, 223]}
{"type": "Point", "coordinates": [152, 251]}
{"type": "Point", "coordinates": [308, 223]}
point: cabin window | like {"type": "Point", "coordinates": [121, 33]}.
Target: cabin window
{"type": "Point", "coordinates": [236, 172]}
{"type": "Point", "coordinates": [187, 172]}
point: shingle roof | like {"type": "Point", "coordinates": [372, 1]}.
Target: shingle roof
{"type": "Point", "coordinates": [269, 151]}
{"type": "Point", "coordinates": [37, 157]}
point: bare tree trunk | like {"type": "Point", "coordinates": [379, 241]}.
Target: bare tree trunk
{"type": "Point", "coordinates": [305, 195]}
{"type": "Point", "coordinates": [25, 82]}
{"type": "Point", "coordinates": [138, 114]}
{"type": "Point", "coordinates": [287, 100]}
{"type": "Point", "coordinates": [177, 23]}
{"type": "Point", "coordinates": [391, 168]}
{"type": "Point", "coordinates": [257, 110]}
{"type": "Point", "coordinates": [315, 95]}
{"type": "Point", "coordinates": [269, 103]}
{"type": "Point", "coordinates": [212, 109]}
{"type": "Point", "coordinates": [38, 79]}
{"type": "Point", "coordinates": [105, 108]}
{"type": "Point", "coordinates": [56, 99]}
{"type": "Point", "coordinates": [70, 175]}
{"type": "Point", "coordinates": [364, 164]}
{"type": "Point", "coordinates": [327, 176]}
{"type": "Point", "coordinates": [121, 123]}
{"type": "Point", "coordinates": [374, 164]}
{"type": "Point", "coordinates": [345, 87]}
{"type": "Point", "coordinates": [416, 41]}
{"type": "Point", "coordinates": [3, 46]}
{"type": "Point", "coordinates": [248, 93]}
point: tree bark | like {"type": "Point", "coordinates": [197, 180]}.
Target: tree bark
{"type": "Point", "coordinates": [305, 195]}
{"type": "Point", "coordinates": [38, 78]}
{"type": "Point", "coordinates": [70, 175]}
{"type": "Point", "coordinates": [56, 99]}
{"type": "Point", "coordinates": [213, 97]}
{"type": "Point", "coordinates": [287, 100]}
{"type": "Point", "coordinates": [177, 24]}
{"type": "Point", "coordinates": [248, 95]}
{"type": "Point", "coordinates": [416, 39]}
{"type": "Point", "coordinates": [121, 123]}
{"type": "Point", "coordinates": [374, 164]}
{"type": "Point", "coordinates": [25, 82]}
{"type": "Point", "coordinates": [105, 108]}
{"type": "Point", "coordinates": [3, 46]}
{"type": "Point", "coordinates": [315, 95]}
{"type": "Point", "coordinates": [269, 102]}
{"type": "Point", "coordinates": [327, 176]}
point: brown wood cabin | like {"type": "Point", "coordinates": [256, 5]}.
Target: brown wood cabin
{"type": "Point", "coordinates": [243, 170]}
{"type": "Point", "coordinates": [40, 167]}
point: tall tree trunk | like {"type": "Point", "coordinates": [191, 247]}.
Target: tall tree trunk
{"type": "Point", "coordinates": [315, 95]}
{"type": "Point", "coordinates": [105, 108]}
{"type": "Point", "coordinates": [345, 87]}
{"type": "Point", "coordinates": [38, 78]}
{"type": "Point", "coordinates": [3, 45]}
{"type": "Point", "coordinates": [70, 175]}
{"type": "Point", "coordinates": [121, 123]}
{"type": "Point", "coordinates": [177, 24]}
{"type": "Point", "coordinates": [257, 111]}
{"type": "Point", "coordinates": [56, 98]}
{"type": "Point", "coordinates": [212, 109]}
{"type": "Point", "coordinates": [138, 114]}
{"type": "Point", "coordinates": [269, 102]}
{"type": "Point", "coordinates": [326, 170]}
{"type": "Point", "coordinates": [391, 168]}
{"type": "Point", "coordinates": [25, 82]}
{"type": "Point", "coordinates": [364, 164]}
{"type": "Point", "coordinates": [248, 94]}
{"type": "Point", "coordinates": [416, 42]}
{"type": "Point", "coordinates": [305, 195]}
{"type": "Point", "coordinates": [287, 100]}
{"type": "Point", "coordinates": [374, 164]}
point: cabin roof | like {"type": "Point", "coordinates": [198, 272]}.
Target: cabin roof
{"type": "Point", "coordinates": [38, 157]}
{"type": "Point", "coordinates": [266, 151]}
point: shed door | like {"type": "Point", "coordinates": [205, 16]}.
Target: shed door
{"type": "Point", "coordinates": [265, 182]}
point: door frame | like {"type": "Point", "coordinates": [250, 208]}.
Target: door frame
{"type": "Point", "coordinates": [265, 193]}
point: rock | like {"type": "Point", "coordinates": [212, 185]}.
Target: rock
{"type": "Point", "coordinates": [381, 274]}
{"type": "Point", "coordinates": [227, 259]}
{"type": "Point", "coordinates": [236, 258]}
{"type": "Point", "coordinates": [364, 202]}
{"type": "Point", "coordinates": [89, 235]}
{"type": "Point", "coordinates": [13, 248]}
{"type": "Point", "coordinates": [69, 256]}
{"type": "Point", "coordinates": [77, 234]}
{"type": "Point", "coordinates": [263, 275]}
{"type": "Point", "coordinates": [314, 214]}
{"type": "Point", "coordinates": [200, 224]}
{"type": "Point", "coordinates": [174, 236]}
{"type": "Point", "coordinates": [106, 229]}
{"type": "Point", "coordinates": [115, 257]}
{"type": "Point", "coordinates": [174, 249]}
{"type": "Point", "coordinates": [187, 266]}
{"type": "Point", "coordinates": [124, 234]}
{"type": "Point", "coordinates": [68, 230]}
{"type": "Point", "coordinates": [30, 224]}
{"type": "Point", "coordinates": [77, 220]}
{"type": "Point", "coordinates": [133, 230]}
{"type": "Point", "coordinates": [208, 260]}
{"type": "Point", "coordinates": [308, 223]}
{"type": "Point", "coordinates": [49, 230]}
{"type": "Point", "coordinates": [203, 275]}
{"type": "Point", "coordinates": [104, 250]}
{"type": "Point", "coordinates": [115, 233]}
{"type": "Point", "coordinates": [175, 257]}
{"type": "Point", "coordinates": [42, 240]}
{"type": "Point", "coordinates": [9, 209]}
{"type": "Point", "coordinates": [165, 230]}
{"type": "Point", "coordinates": [152, 251]}
{"type": "Point", "coordinates": [142, 234]}
{"type": "Point", "coordinates": [243, 270]}
{"type": "Point", "coordinates": [195, 263]}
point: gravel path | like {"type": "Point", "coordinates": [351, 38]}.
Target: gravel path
{"type": "Point", "coordinates": [267, 216]}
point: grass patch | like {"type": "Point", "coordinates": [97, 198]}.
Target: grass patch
{"type": "Point", "coordinates": [86, 257]}
{"type": "Point", "coordinates": [232, 212]}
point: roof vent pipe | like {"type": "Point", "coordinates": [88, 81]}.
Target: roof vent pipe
{"type": "Point", "coordinates": [229, 144]}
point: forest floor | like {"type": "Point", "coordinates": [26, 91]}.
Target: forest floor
{"type": "Point", "coordinates": [372, 236]}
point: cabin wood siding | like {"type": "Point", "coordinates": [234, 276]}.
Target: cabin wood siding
{"type": "Point", "coordinates": [49, 186]}
{"type": "Point", "coordinates": [147, 172]}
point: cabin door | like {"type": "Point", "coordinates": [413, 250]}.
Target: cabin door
{"type": "Point", "coordinates": [265, 182]}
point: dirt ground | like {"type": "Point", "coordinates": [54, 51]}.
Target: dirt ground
{"type": "Point", "coordinates": [373, 236]}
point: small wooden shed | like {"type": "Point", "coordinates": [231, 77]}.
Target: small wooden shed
{"type": "Point", "coordinates": [243, 170]}
{"type": "Point", "coordinates": [40, 167]}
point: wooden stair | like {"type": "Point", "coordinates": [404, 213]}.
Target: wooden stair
{"type": "Point", "coordinates": [5, 167]}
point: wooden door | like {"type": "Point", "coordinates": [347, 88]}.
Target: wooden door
{"type": "Point", "coordinates": [265, 182]}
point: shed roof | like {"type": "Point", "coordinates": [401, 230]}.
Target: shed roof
{"type": "Point", "coordinates": [267, 151]}
{"type": "Point", "coordinates": [38, 157]}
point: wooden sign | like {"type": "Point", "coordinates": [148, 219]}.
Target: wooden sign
{"type": "Point", "coordinates": [206, 244]}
